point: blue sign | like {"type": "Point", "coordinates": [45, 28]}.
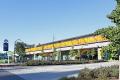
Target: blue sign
{"type": "Point", "coordinates": [5, 45]}
{"type": "Point", "coordinates": [5, 41]}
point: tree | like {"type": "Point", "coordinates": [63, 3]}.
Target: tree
{"type": "Point", "coordinates": [30, 46]}
{"type": "Point", "coordinates": [115, 14]}
{"type": "Point", "coordinates": [20, 49]}
{"type": "Point", "coordinates": [112, 33]}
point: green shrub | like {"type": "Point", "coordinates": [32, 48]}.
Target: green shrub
{"type": "Point", "coordinates": [65, 78]}
{"type": "Point", "coordinates": [2, 61]}
{"type": "Point", "coordinates": [102, 78]}
{"type": "Point", "coordinates": [37, 62]}
{"type": "Point", "coordinates": [85, 74]}
{"type": "Point", "coordinates": [103, 73]}
{"type": "Point", "coordinates": [114, 72]}
{"type": "Point", "coordinates": [32, 63]}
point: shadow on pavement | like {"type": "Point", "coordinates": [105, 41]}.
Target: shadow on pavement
{"type": "Point", "coordinates": [5, 75]}
{"type": "Point", "coordinates": [47, 75]}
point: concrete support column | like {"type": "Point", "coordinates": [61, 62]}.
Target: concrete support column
{"type": "Point", "coordinates": [34, 57]}
{"type": "Point", "coordinates": [99, 53]}
{"type": "Point", "coordinates": [55, 56]}
{"type": "Point", "coordinates": [79, 54]}
{"type": "Point", "coordinates": [59, 56]}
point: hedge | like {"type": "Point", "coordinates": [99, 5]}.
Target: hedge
{"type": "Point", "coordinates": [37, 62]}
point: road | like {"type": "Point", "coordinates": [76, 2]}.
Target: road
{"type": "Point", "coordinates": [48, 72]}
{"type": "Point", "coordinates": [5, 75]}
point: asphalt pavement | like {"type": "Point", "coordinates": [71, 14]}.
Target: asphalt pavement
{"type": "Point", "coordinates": [54, 72]}
{"type": "Point", "coordinates": [5, 75]}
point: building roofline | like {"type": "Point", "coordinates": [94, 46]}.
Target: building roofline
{"type": "Point", "coordinates": [77, 37]}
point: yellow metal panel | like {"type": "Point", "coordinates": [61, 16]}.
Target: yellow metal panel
{"type": "Point", "coordinates": [39, 48]}
{"type": "Point", "coordinates": [57, 45]}
{"type": "Point", "coordinates": [50, 46]}
{"type": "Point", "coordinates": [32, 49]}
{"type": "Point", "coordinates": [90, 40]}
{"type": "Point", "coordinates": [99, 38]}
{"type": "Point", "coordinates": [45, 47]}
{"type": "Point", "coordinates": [75, 42]}
{"type": "Point", "coordinates": [62, 44]}
{"type": "Point", "coordinates": [68, 43]}
{"type": "Point", "coordinates": [86, 40]}
{"type": "Point", "coordinates": [81, 41]}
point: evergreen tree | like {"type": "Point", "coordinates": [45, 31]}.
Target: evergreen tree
{"type": "Point", "coordinates": [112, 33]}
{"type": "Point", "coordinates": [115, 14]}
{"type": "Point", "coordinates": [20, 50]}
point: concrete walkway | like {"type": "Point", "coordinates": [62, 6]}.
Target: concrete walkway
{"type": "Point", "coordinates": [52, 72]}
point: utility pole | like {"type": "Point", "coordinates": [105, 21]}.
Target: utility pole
{"type": "Point", "coordinates": [54, 50]}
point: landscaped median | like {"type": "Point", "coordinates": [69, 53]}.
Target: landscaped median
{"type": "Point", "coordinates": [37, 62]}
{"type": "Point", "coordinates": [103, 73]}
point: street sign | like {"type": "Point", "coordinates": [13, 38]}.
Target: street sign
{"type": "Point", "coordinates": [5, 45]}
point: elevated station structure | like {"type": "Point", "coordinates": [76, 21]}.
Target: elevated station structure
{"type": "Point", "coordinates": [70, 49]}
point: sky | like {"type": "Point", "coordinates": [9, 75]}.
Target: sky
{"type": "Point", "coordinates": [35, 21]}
